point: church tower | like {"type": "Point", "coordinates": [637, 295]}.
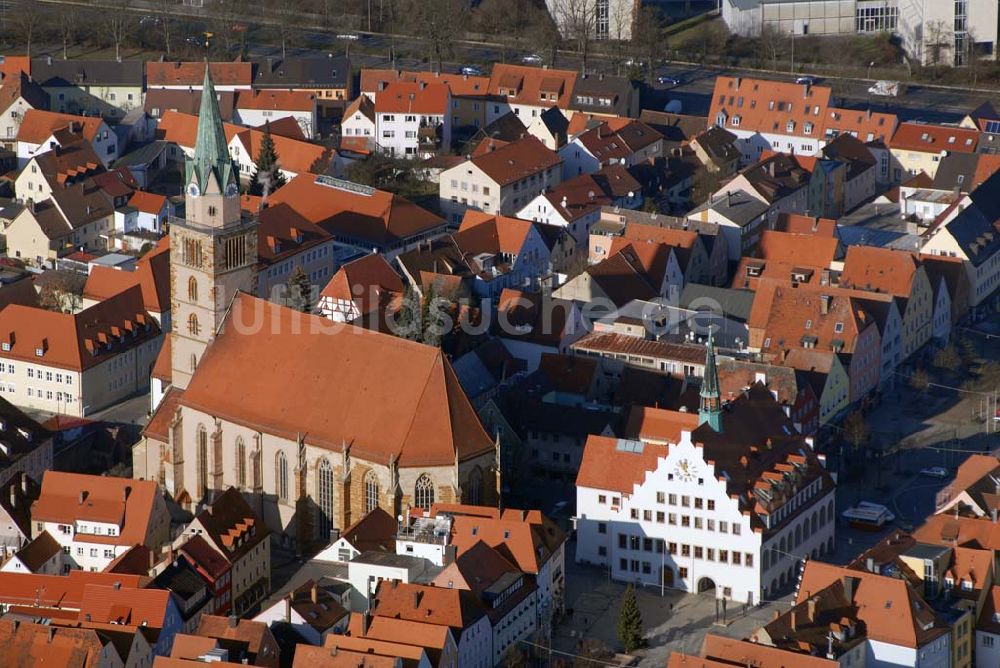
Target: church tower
{"type": "Point", "coordinates": [710, 410]}
{"type": "Point", "coordinates": [213, 250]}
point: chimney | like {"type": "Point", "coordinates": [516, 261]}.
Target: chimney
{"type": "Point", "coordinates": [824, 304]}
{"type": "Point", "coordinates": [126, 492]}
{"type": "Point", "coordinates": [849, 584]}
{"type": "Point", "coordinates": [152, 559]}
{"type": "Point", "coordinates": [288, 609]}
{"type": "Point", "coordinates": [794, 615]}
{"type": "Point", "coordinates": [117, 585]}
{"type": "Point", "coordinates": [233, 621]}
{"type": "Point", "coordinates": [24, 484]}
{"type": "Point", "coordinates": [314, 594]}
{"type": "Point", "coordinates": [811, 609]}
{"type": "Point", "coordinates": [870, 564]}
{"type": "Point", "coordinates": [729, 198]}
{"type": "Point", "coordinates": [365, 620]}
{"type": "Point", "coordinates": [417, 595]}
{"type": "Point", "coordinates": [52, 629]}
{"type": "Point", "coordinates": [13, 497]}
{"type": "Point", "coordinates": [83, 496]}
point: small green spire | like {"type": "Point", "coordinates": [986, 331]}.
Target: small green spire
{"type": "Point", "coordinates": [211, 151]}
{"type": "Point", "coordinates": [711, 404]}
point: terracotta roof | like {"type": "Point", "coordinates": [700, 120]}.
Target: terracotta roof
{"type": "Point", "coordinates": [60, 591]}
{"type": "Point", "coordinates": [526, 312]}
{"type": "Point", "coordinates": [36, 644]}
{"type": "Point", "coordinates": [68, 162]}
{"type": "Point", "coordinates": [159, 424]}
{"type": "Point", "coordinates": [972, 566]}
{"type": "Point", "coordinates": [362, 104]}
{"type": "Point", "coordinates": [372, 218]}
{"type": "Point", "coordinates": [318, 607]}
{"type": "Point", "coordinates": [404, 97]}
{"type": "Point", "coordinates": [610, 342]}
{"type": "Point", "coordinates": [280, 100]}
{"type": "Point", "coordinates": [173, 73]}
{"type": "Point", "coordinates": [797, 320]}
{"type": "Point", "coordinates": [656, 425]}
{"type": "Point", "coordinates": [617, 465]}
{"type": "Point", "coordinates": [110, 604]}
{"type": "Point", "coordinates": [148, 202]}
{"type": "Point", "coordinates": [528, 84]}
{"type": "Point", "coordinates": [77, 341]}
{"type": "Point", "coordinates": [355, 652]}
{"type": "Point", "coordinates": [801, 249]}
{"type": "Point", "coordinates": [151, 274]}
{"type": "Point", "coordinates": [367, 281]}
{"type": "Point", "coordinates": [579, 196]}
{"type": "Point", "coordinates": [959, 531]}
{"type": "Point", "coordinates": [770, 106]}
{"type": "Point", "coordinates": [989, 620]}
{"type": "Point", "coordinates": [880, 270]}
{"type": "Point", "coordinates": [866, 125]}
{"type": "Point", "coordinates": [892, 611]}
{"type": "Point", "coordinates": [454, 608]}
{"type": "Point", "coordinates": [293, 155]}
{"type": "Point", "coordinates": [434, 638]}
{"type": "Point", "coordinates": [526, 538]}
{"type": "Point", "coordinates": [517, 160]}
{"type": "Point", "coordinates": [794, 223]}
{"type": "Point", "coordinates": [404, 399]}
{"type": "Point", "coordinates": [282, 232]}
{"type": "Point", "coordinates": [488, 233]}
{"type": "Point", "coordinates": [734, 652]}
{"type": "Point", "coordinates": [568, 373]}
{"type": "Point", "coordinates": [71, 497]}
{"type": "Point", "coordinates": [934, 138]}
{"type": "Point", "coordinates": [39, 125]}
{"type": "Point", "coordinates": [135, 560]}
{"type": "Point", "coordinates": [261, 646]}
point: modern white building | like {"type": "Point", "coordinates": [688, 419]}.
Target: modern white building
{"type": "Point", "coordinates": [694, 502]}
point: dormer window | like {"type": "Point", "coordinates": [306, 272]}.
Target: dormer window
{"type": "Point", "coordinates": [5, 346]}
{"type": "Point", "coordinates": [736, 121]}
{"type": "Point", "coordinates": [808, 129]}
{"type": "Point", "coordinates": [39, 352]}
{"type": "Point", "coordinates": [839, 327]}
{"type": "Point", "coordinates": [790, 127]}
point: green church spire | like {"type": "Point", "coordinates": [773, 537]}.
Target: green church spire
{"type": "Point", "coordinates": [711, 403]}
{"type": "Point", "coordinates": [211, 150]}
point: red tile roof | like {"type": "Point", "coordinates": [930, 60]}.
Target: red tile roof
{"type": "Point", "coordinates": [530, 84]}
{"type": "Point", "coordinates": [404, 97]}
{"type": "Point", "coordinates": [866, 125]}
{"type": "Point", "coordinates": [517, 160]}
{"type": "Point", "coordinates": [367, 282]}
{"type": "Point", "coordinates": [148, 202]}
{"type": "Point", "coordinates": [39, 125]}
{"type": "Point", "coordinates": [60, 591]}
{"type": "Point", "coordinates": [928, 138]}
{"type": "Point", "coordinates": [880, 270]}
{"type": "Point", "coordinates": [152, 275]}
{"type": "Point", "coordinates": [394, 399]}
{"type": "Point", "coordinates": [193, 74]}
{"type": "Point", "coordinates": [770, 106]}
{"type": "Point", "coordinates": [608, 465]}
{"type": "Point", "coordinates": [77, 341]}
{"type": "Point", "coordinates": [70, 497]}
{"type": "Point", "coordinates": [279, 100]}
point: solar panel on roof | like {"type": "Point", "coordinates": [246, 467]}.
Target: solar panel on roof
{"type": "Point", "coordinates": [993, 127]}
{"type": "Point", "coordinates": [625, 445]}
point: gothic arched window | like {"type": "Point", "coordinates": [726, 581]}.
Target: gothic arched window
{"type": "Point", "coordinates": [194, 362]}
{"type": "Point", "coordinates": [201, 441]}
{"type": "Point", "coordinates": [192, 289]}
{"type": "Point", "coordinates": [241, 462]}
{"type": "Point", "coordinates": [281, 476]}
{"type": "Point", "coordinates": [424, 492]}
{"type": "Point", "coordinates": [324, 498]}
{"type": "Point", "coordinates": [475, 486]}
{"type": "Point", "coordinates": [193, 326]}
{"type": "Point", "coordinates": [371, 491]}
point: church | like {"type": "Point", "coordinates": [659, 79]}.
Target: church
{"type": "Point", "coordinates": [316, 422]}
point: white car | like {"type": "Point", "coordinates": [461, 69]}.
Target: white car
{"type": "Point", "coordinates": [807, 80]}
{"type": "Point", "coordinates": [935, 472]}
{"type": "Point", "coordinates": [472, 71]}
{"type": "Point", "coordinates": [532, 59]}
{"type": "Point", "coordinates": [352, 36]}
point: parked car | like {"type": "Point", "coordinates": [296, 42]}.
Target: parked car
{"type": "Point", "coordinates": [635, 62]}
{"type": "Point", "coordinates": [195, 40]}
{"type": "Point", "coordinates": [352, 36]}
{"type": "Point", "coordinates": [472, 71]}
{"type": "Point", "coordinates": [885, 88]}
{"type": "Point", "coordinates": [149, 20]}
{"type": "Point", "coordinates": [806, 80]}
{"type": "Point", "coordinates": [668, 81]}
{"type": "Point", "coordinates": [935, 472]}
{"type": "Point", "coordinates": [531, 59]}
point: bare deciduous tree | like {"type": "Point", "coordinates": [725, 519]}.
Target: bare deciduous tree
{"type": "Point", "coordinates": [68, 19]}
{"type": "Point", "coordinates": [577, 20]}
{"type": "Point", "coordinates": [119, 23]}
{"type": "Point", "coordinates": [435, 22]}
{"type": "Point", "coordinates": [939, 39]}
{"type": "Point", "coordinates": [166, 9]}
{"type": "Point", "coordinates": [647, 37]}
{"type": "Point", "coordinates": [27, 17]}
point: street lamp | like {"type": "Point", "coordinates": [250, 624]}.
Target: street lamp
{"type": "Point", "coordinates": [870, 66]}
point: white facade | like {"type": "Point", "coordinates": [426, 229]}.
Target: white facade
{"type": "Point", "coordinates": [104, 143]}
{"type": "Point", "coordinates": [541, 210]}
{"type": "Point", "coordinates": [284, 611]}
{"type": "Point", "coordinates": [399, 134]}
{"type": "Point", "coordinates": [517, 624]}
{"type": "Point", "coordinates": [245, 161]}
{"type": "Point", "coordinates": [364, 575]}
{"type": "Point", "coordinates": [577, 158]}
{"type": "Point", "coordinates": [255, 118]}
{"type": "Point", "coordinates": [466, 186]}
{"type": "Point", "coordinates": [319, 263]}
{"type": "Point", "coordinates": [984, 278]}
{"type": "Point", "coordinates": [358, 125]}
{"type": "Point", "coordinates": [680, 529]}
{"type": "Point", "coordinates": [10, 120]}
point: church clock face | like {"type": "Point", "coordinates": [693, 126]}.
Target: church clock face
{"type": "Point", "coordinates": [193, 190]}
{"type": "Point", "coordinates": [685, 470]}
{"type": "Point", "coordinates": [232, 190]}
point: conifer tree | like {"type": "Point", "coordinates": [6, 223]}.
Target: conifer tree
{"type": "Point", "coordinates": [299, 291]}
{"type": "Point", "coordinates": [629, 626]}
{"type": "Point", "coordinates": [266, 172]}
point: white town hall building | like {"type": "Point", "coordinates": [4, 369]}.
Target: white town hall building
{"type": "Point", "coordinates": [731, 499]}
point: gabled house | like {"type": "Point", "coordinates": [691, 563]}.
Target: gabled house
{"type": "Point", "coordinates": [360, 287]}
{"type": "Point", "coordinates": [413, 119]}
{"type": "Point", "coordinates": [919, 147]}
{"type": "Point", "coordinates": [531, 325]}
{"type": "Point", "coordinates": [778, 180]}
{"type": "Point", "coordinates": [900, 274]}
{"type": "Point", "coordinates": [741, 218]}
{"type": "Point", "coordinates": [622, 141]}
{"type": "Point", "coordinates": [718, 151]}
{"type": "Point", "coordinates": [527, 91]}
{"type": "Point", "coordinates": [257, 107]}
{"type": "Point", "coordinates": [18, 94]}
{"type": "Point", "coordinates": [970, 232]}
{"type": "Point", "coordinates": [357, 129]}
{"type": "Point", "coordinates": [499, 181]}
{"type": "Point", "coordinates": [178, 75]}
{"type": "Point", "coordinates": [59, 167]}
{"type": "Point", "coordinates": [632, 270]}
{"type": "Point", "coordinates": [43, 130]}
{"type": "Point", "coordinates": [104, 88]}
